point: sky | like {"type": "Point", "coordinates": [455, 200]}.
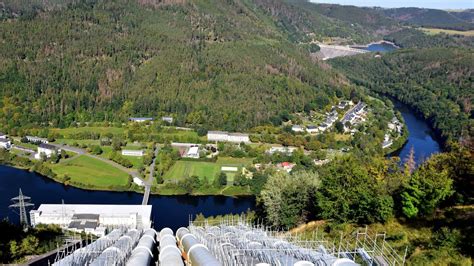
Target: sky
{"type": "Point", "coordinates": [437, 4]}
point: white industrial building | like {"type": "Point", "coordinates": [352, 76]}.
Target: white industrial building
{"type": "Point", "coordinates": [47, 149]}
{"type": "Point", "coordinates": [137, 153]}
{"type": "Point", "coordinates": [225, 136]}
{"type": "Point", "coordinates": [92, 218]}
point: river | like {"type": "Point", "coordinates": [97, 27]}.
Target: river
{"type": "Point", "coordinates": [174, 211]}
{"type": "Point", "coordinates": [420, 137]}
{"type": "Point", "coordinates": [170, 211]}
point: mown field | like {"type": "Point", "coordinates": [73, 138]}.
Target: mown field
{"type": "Point", "coordinates": [433, 31]}
{"type": "Point", "coordinates": [92, 172]}
{"type": "Point", "coordinates": [100, 130]}
{"type": "Point", "coordinates": [208, 170]}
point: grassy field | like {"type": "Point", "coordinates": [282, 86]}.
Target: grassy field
{"type": "Point", "coordinates": [100, 130]}
{"type": "Point", "coordinates": [208, 170]}
{"type": "Point", "coordinates": [78, 141]}
{"type": "Point", "coordinates": [92, 172]}
{"type": "Point", "coordinates": [433, 31]}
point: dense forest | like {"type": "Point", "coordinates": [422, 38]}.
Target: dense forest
{"type": "Point", "coordinates": [433, 17]}
{"type": "Point", "coordinates": [225, 65]}
{"type": "Point", "coordinates": [437, 83]}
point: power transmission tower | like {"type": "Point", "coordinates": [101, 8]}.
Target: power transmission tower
{"type": "Point", "coordinates": [22, 202]}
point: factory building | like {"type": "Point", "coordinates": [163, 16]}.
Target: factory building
{"type": "Point", "coordinates": [94, 218]}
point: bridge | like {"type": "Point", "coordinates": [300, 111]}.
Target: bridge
{"type": "Point", "coordinates": [149, 180]}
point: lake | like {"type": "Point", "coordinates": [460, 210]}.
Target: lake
{"type": "Point", "coordinates": [168, 211]}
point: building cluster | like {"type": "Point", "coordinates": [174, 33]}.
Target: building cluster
{"type": "Point", "coordinates": [354, 116]}
{"type": "Point", "coordinates": [224, 136]}
{"type": "Point", "coordinates": [394, 126]}
{"type": "Point", "coordinates": [92, 218]}
{"type": "Point", "coordinates": [281, 149]}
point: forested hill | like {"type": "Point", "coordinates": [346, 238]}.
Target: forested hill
{"type": "Point", "coordinates": [437, 82]}
{"type": "Point", "coordinates": [224, 64]}
{"type": "Point", "coordinates": [433, 17]}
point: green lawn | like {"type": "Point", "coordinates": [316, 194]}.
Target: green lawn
{"type": "Point", "coordinates": [89, 171]}
{"type": "Point", "coordinates": [208, 170]}
{"type": "Point", "coordinates": [135, 160]}
{"type": "Point", "coordinates": [69, 142]}
{"type": "Point", "coordinates": [100, 130]}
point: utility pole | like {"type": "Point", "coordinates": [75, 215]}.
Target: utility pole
{"type": "Point", "coordinates": [22, 202]}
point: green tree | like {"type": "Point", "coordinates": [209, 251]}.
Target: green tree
{"type": "Point", "coordinates": [425, 190]}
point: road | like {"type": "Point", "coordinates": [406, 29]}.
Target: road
{"type": "Point", "coordinates": [149, 180]}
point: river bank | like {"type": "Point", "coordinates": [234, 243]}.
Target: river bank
{"type": "Point", "coordinates": [171, 211]}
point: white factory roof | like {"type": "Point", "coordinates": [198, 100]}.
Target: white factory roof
{"type": "Point", "coordinates": [102, 209]}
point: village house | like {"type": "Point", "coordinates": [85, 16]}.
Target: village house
{"type": "Point", "coordinates": [167, 119]}
{"type": "Point", "coordinates": [140, 119]}
{"type": "Point", "coordinates": [297, 128]}
{"type": "Point", "coordinates": [47, 150]}
{"type": "Point", "coordinates": [136, 153]}
{"type": "Point", "coordinates": [138, 181]}
{"type": "Point", "coordinates": [284, 150]}
{"type": "Point", "coordinates": [5, 143]}
{"type": "Point", "coordinates": [287, 166]}
{"type": "Point", "coordinates": [312, 129]}
{"type": "Point", "coordinates": [33, 139]}
{"type": "Point", "coordinates": [3, 135]}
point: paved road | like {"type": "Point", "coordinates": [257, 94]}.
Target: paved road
{"type": "Point", "coordinates": [149, 180]}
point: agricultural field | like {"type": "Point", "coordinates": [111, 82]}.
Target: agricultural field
{"type": "Point", "coordinates": [208, 170]}
{"type": "Point", "coordinates": [92, 172]}
{"type": "Point", "coordinates": [433, 31]}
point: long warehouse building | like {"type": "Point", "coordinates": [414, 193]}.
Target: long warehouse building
{"type": "Point", "coordinates": [93, 218]}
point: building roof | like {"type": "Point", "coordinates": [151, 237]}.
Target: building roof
{"type": "Point", "coordinates": [311, 127]}
{"type": "Point", "coordinates": [239, 134]}
{"type": "Point", "coordinates": [140, 118]}
{"type": "Point", "coordinates": [2, 140]}
{"type": "Point", "coordinates": [101, 209]}
{"type": "Point", "coordinates": [47, 146]}
{"type": "Point", "coordinates": [217, 132]}
{"type": "Point", "coordinates": [85, 216]}
{"type": "Point", "coordinates": [193, 150]}
{"type": "Point", "coordinates": [83, 224]}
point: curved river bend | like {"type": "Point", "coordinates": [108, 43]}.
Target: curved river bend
{"type": "Point", "coordinates": [171, 211]}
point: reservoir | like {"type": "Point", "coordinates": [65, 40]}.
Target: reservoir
{"type": "Point", "coordinates": [170, 211]}
{"type": "Point", "coordinates": [380, 47]}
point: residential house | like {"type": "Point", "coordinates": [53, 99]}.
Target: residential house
{"type": "Point", "coordinates": [33, 139]}
{"type": "Point", "coordinates": [297, 128]}
{"type": "Point", "coordinates": [136, 153]}
{"type": "Point", "coordinates": [140, 119]}
{"type": "Point", "coordinates": [312, 129]}
{"type": "Point", "coordinates": [284, 150]}
{"type": "Point", "coordinates": [5, 143]}
{"type": "Point", "coordinates": [47, 149]}
{"type": "Point", "coordinates": [192, 152]}
{"type": "Point", "coordinates": [167, 119]}
{"type": "Point", "coordinates": [3, 135]}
